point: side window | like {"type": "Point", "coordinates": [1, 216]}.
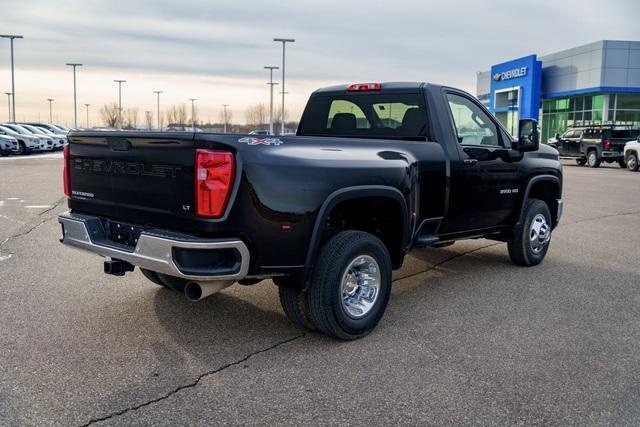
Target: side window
{"type": "Point", "coordinates": [349, 115]}
{"type": "Point", "coordinates": [473, 125]}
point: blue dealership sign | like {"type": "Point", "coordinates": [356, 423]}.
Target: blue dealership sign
{"type": "Point", "coordinates": [522, 75]}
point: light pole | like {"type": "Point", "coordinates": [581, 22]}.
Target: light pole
{"type": "Point", "coordinates": [225, 117]}
{"type": "Point", "coordinates": [87, 107]}
{"type": "Point", "coordinates": [271, 84]}
{"type": "Point", "coordinates": [158, 92]}
{"type": "Point", "coordinates": [50, 109]}
{"type": "Point", "coordinates": [120, 102]}
{"type": "Point", "coordinates": [75, 107]}
{"type": "Point", "coordinates": [8, 103]}
{"type": "Point", "coordinates": [12, 37]}
{"type": "Point", "coordinates": [193, 114]}
{"type": "Point", "coordinates": [284, 43]}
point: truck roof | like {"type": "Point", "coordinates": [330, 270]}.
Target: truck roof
{"type": "Point", "coordinates": [387, 86]}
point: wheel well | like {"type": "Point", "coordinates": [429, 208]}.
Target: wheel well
{"type": "Point", "coordinates": [380, 216]}
{"type": "Point", "coordinates": [547, 191]}
{"type": "Point", "coordinates": [629, 153]}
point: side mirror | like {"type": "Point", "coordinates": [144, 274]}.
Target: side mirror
{"type": "Point", "coordinates": [528, 137]}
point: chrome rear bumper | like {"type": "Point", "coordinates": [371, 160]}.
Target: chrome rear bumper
{"type": "Point", "coordinates": [155, 249]}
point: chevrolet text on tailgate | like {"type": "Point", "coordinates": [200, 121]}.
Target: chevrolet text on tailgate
{"type": "Point", "coordinates": [374, 171]}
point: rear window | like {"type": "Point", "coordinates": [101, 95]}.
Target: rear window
{"type": "Point", "coordinates": [366, 115]}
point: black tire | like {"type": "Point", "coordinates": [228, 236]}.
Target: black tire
{"type": "Point", "coordinates": [174, 283]}
{"type": "Point", "coordinates": [581, 162]}
{"type": "Point", "coordinates": [326, 307]}
{"type": "Point", "coordinates": [520, 248]}
{"type": "Point", "coordinates": [622, 164]}
{"type": "Point", "coordinates": [632, 162]}
{"type": "Point", "coordinates": [153, 277]}
{"type": "Point", "coordinates": [22, 149]}
{"type": "Point", "coordinates": [295, 306]}
{"type": "Point", "coordinates": [592, 159]}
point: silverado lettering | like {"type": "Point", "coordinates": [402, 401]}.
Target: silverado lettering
{"type": "Point", "coordinates": [374, 171]}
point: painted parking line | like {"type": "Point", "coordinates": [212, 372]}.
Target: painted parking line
{"type": "Point", "coordinates": [48, 156]}
{"type": "Point", "coordinates": [37, 206]}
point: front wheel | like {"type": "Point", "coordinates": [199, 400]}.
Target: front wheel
{"type": "Point", "coordinates": [592, 159]}
{"type": "Point", "coordinates": [632, 162]}
{"type": "Point", "coordinates": [350, 285]}
{"type": "Point", "coordinates": [622, 164]}
{"type": "Point", "coordinates": [531, 238]}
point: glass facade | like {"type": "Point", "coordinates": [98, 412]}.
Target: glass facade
{"type": "Point", "coordinates": [615, 108]}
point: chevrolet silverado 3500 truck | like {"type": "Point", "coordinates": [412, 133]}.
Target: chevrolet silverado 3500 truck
{"type": "Point", "coordinates": [374, 171]}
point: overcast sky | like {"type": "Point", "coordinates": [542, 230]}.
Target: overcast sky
{"type": "Point", "coordinates": [215, 50]}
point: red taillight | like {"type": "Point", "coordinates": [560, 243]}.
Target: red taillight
{"type": "Point", "coordinates": [607, 145]}
{"type": "Point", "coordinates": [65, 171]}
{"type": "Point", "coordinates": [214, 179]}
{"type": "Point", "coordinates": [362, 87]}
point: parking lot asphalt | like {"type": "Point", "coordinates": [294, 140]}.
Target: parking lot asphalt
{"type": "Point", "coordinates": [468, 337]}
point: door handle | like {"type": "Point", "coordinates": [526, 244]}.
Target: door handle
{"type": "Point", "coordinates": [470, 162]}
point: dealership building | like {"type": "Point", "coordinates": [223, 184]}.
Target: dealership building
{"type": "Point", "coordinates": [598, 83]}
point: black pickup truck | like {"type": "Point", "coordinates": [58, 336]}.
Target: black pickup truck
{"type": "Point", "coordinates": [374, 171]}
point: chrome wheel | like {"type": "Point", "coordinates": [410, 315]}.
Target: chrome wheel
{"type": "Point", "coordinates": [632, 163]}
{"type": "Point", "coordinates": [360, 286]}
{"type": "Point", "coordinates": [539, 233]}
{"type": "Point", "coordinates": [593, 158]}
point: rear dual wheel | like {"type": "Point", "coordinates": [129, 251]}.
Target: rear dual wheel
{"type": "Point", "coordinates": [349, 290]}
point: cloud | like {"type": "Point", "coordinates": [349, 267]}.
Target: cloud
{"type": "Point", "coordinates": [336, 41]}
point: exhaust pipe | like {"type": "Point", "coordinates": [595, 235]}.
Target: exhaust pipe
{"type": "Point", "coordinates": [195, 291]}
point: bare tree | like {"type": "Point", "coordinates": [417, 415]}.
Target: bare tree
{"type": "Point", "coordinates": [109, 114]}
{"type": "Point", "coordinates": [177, 115]}
{"type": "Point", "coordinates": [130, 118]}
{"type": "Point", "coordinates": [277, 117]}
{"type": "Point", "coordinates": [148, 118]}
{"type": "Point", "coordinates": [256, 115]}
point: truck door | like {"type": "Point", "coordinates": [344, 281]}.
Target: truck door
{"type": "Point", "coordinates": [485, 181]}
{"type": "Point", "coordinates": [571, 144]}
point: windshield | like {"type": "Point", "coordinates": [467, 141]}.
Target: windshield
{"type": "Point", "coordinates": [366, 115]}
{"type": "Point", "coordinates": [33, 129]}
{"type": "Point", "coordinates": [19, 129]}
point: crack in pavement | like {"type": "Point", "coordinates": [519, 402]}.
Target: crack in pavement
{"type": "Point", "coordinates": [32, 227]}
{"type": "Point", "coordinates": [194, 383]}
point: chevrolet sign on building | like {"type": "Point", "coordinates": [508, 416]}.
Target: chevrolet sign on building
{"type": "Point", "coordinates": [510, 74]}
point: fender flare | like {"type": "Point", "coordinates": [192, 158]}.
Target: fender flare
{"type": "Point", "coordinates": [350, 193]}
{"type": "Point", "coordinates": [530, 184]}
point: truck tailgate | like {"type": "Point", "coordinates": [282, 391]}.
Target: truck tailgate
{"type": "Point", "coordinates": [113, 173]}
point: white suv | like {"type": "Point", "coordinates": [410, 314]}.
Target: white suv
{"type": "Point", "coordinates": [631, 154]}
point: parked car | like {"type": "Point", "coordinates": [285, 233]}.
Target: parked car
{"type": "Point", "coordinates": [57, 139]}
{"type": "Point", "coordinates": [56, 129]}
{"type": "Point", "coordinates": [591, 145]}
{"type": "Point", "coordinates": [46, 143]}
{"type": "Point", "coordinates": [328, 213]}
{"type": "Point", "coordinates": [27, 144]}
{"type": "Point", "coordinates": [259, 132]}
{"type": "Point", "coordinates": [8, 145]}
{"type": "Point", "coordinates": [632, 154]}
